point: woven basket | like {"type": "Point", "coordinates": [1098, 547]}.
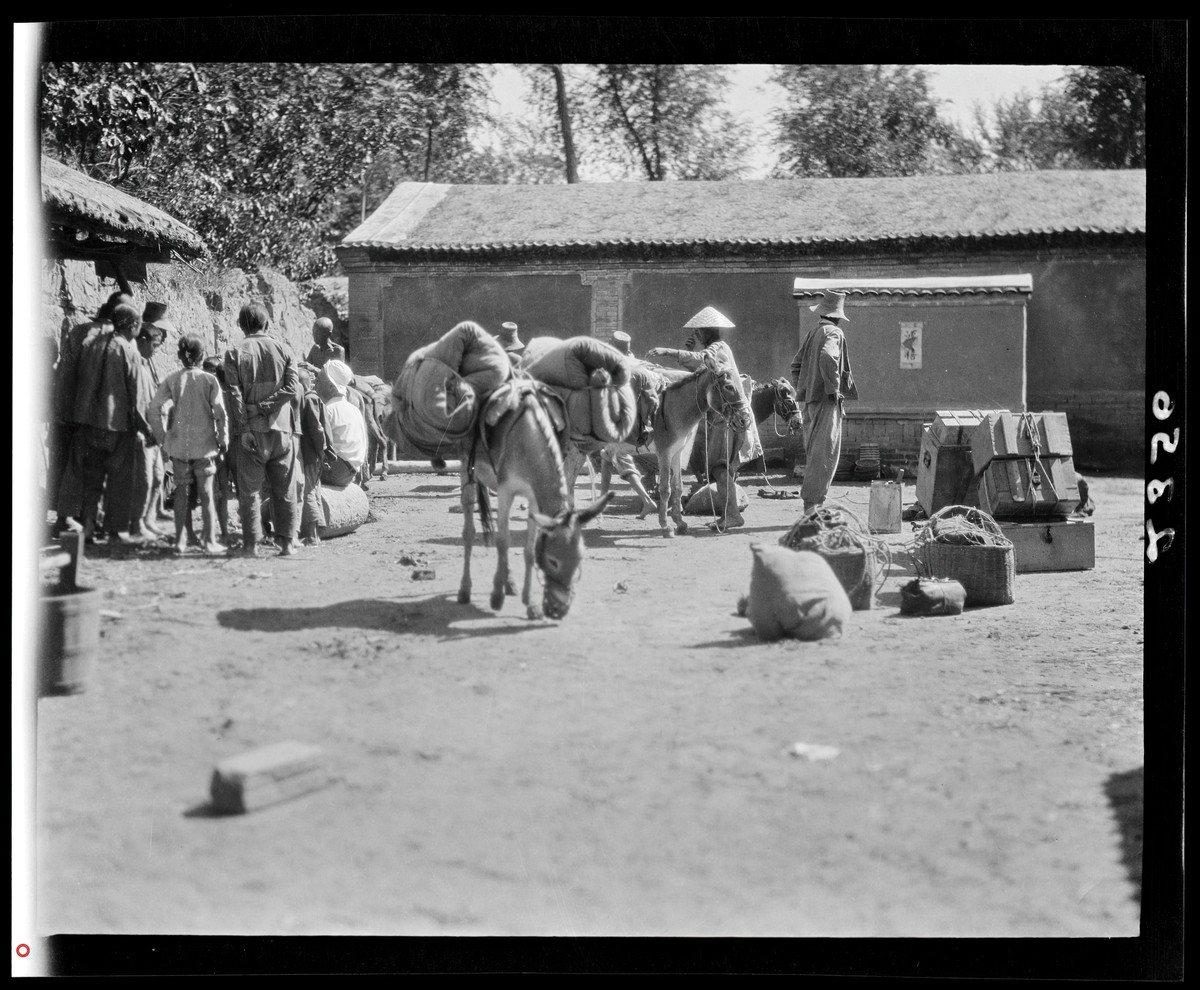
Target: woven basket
{"type": "Point", "coordinates": [854, 570]}
{"type": "Point", "coordinates": [987, 572]}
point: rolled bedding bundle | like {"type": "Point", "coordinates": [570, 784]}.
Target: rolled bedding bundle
{"type": "Point", "coordinates": [603, 412]}
{"type": "Point", "coordinates": [437, 395]}
{"type": "Point", "coordinates": [571, 363]}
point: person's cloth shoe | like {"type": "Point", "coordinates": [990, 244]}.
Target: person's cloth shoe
{"type": "Point", "coordinates": [249, 549]}
{"type": "Point", "coordinates": [290, 548]}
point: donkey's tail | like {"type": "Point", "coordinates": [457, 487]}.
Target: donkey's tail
{"type": "Point", "coordinates": [485, 509]}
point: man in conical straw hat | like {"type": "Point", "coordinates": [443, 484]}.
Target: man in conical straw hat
{"type": "Point", "coordinates": [823, 379]}
{"type": "Point", "coordinates": [707, 333]}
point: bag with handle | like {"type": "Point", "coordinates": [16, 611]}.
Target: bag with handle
{"type": "Point", "coordinates": [932, 596]}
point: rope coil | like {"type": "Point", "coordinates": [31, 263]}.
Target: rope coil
{"type": "Point", "coordinates": [842, 536]}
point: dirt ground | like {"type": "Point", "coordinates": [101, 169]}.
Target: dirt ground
{"type": "Point", "coordinates": [624, 772]}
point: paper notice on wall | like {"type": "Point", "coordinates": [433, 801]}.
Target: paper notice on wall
{"type": "Point", "coordinates": [910, 344]}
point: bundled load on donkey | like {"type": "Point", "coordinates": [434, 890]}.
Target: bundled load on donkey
{"type": "Point", "coordinates": [437, 397]}
{"type": "Point", "coordinates": [593, 380]}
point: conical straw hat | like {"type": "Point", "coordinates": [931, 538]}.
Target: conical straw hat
{"type": "Point", "coordinates": [707, 317]}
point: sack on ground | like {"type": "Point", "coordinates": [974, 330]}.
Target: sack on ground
{"type": "Point", "coordinates": [706, 501]}
{"type": "Point", "coordinates": [795, 594]}
{"type": "Point", "coordinates": [932, 596]}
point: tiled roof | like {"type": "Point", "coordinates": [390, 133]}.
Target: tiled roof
{"type": "Point", "coordinates": [776, 212]}
{"type": "Point", "coordinates": [71, 197]}
{"type": "Point", "coordinates": [976, 285]}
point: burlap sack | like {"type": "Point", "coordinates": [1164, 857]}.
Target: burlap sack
{"type": "Point", "coordinates": [795, 594]}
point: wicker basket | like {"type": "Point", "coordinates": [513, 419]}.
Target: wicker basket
{"type": "Point", "coordinates": [854, 570]}
{"type": "Point", "coordinates": [987, 572]}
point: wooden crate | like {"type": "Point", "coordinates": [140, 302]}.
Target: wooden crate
{"type": "Point", "coordinates": [1004, 434]}
{"type": "Point", "coordinates": [1019, 488]}
{"type": "Point", "coordinates": [945, 475]}
{"type": "Point", "coordinates": [955, 427]}
{"type": "Point", "coordinates": [1053, 545]}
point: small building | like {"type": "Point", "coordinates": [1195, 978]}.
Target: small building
{"type": "Point", "coordinates": [643, 257]}
{"type": "Point", "coordinates": [89, 220]}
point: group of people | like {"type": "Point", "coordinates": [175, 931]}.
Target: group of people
{"type": "Point", "coordinates": [253, 422]}
{"type": "Point", "coordinates": [257, 421]}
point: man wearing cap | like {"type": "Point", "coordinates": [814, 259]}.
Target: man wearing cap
{"type": "Point", "coordinates": [106, 405]}
{"type": "Point", "coordinates": [707, 333]}
{"type": "Point", "coordinates": [511, 341]}
{"type": "Point", "coordinates": [324, 348]}
{"type": "Point", "coordinates": [262, 381]}
{"type": "Point", "coordinates": [64, 472]}
{"type": "Point", "coordinates": [823, 379]}
{"type": "Point", "coordinates": [345, 426]}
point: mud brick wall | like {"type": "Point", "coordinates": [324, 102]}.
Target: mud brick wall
{"type": "Point", "coordinates": [1107, 427]}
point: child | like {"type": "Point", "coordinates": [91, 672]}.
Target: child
{"type": "Point", "coordinates": [198, 432]}
{"type": "Point", "coordinates": [314, 441]}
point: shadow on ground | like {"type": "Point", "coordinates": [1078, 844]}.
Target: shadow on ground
{"type": "Point", "coordinates": [1126, 794]}
{"type": "Point", "coordinates": [416, 614]}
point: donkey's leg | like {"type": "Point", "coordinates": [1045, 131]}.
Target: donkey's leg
{"type": "Point", "coordinates": [504, 500]}
{"type": "Point", "coordinates": [664, 491]}
{"type": "Point", "coordinates": [468, 507]}
{"type": "Point", "coordinates": [533, 610]}
{"type": "Point", "coordinates": [681, 527]}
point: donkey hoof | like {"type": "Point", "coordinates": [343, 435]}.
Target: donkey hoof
{"type": "Point", "coordinates": [681, 528]}
{"type": "Point", "coordinates": [534, 612]}
{"type": "Point", "coordinates": [497, 600]}
{"type": "Point", "coordinates": [510, 588]}
{"type": "Point", "coordinates": [464, 596]}
{"type": "Point", "coordinates": [668, 533]}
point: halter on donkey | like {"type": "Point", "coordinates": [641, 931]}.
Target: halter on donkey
{"type": "Point", "coordinates": [517, 451]}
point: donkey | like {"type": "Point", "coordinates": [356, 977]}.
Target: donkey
{"type": "Point", "coordinates": [516, 451]}
{"type": "Point", "coordinates": [684, 402]}
{"type": "Point", "coordinates": [774, 398]}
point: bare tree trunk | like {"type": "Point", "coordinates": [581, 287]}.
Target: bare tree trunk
{"type": "Point", "coordinates": [564, 120]}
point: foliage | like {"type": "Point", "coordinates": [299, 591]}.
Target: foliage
{"type": "Point", "coordinates": [859, 120]}
{"type": "Point", "coordinates": [262, 159]}
{"type": "Point", "coordinates": [665, 121]}
{"type": "Point", "coordinates": [1110, 125]}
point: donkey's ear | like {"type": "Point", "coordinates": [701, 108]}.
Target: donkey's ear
{"type": "Point", "coordinates": [543, 520]}
{"type": "Point", "coordinates": [593, 510]}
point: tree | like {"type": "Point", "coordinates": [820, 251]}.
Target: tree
{"type": "Point", "coordinates": [267, 161]}
{"type": "Point", "coordinates": [1110, 129]}
{"type": "Point", "coordinates": [860, 120]}
{"type": "Point", "coordinates": [666, 121]}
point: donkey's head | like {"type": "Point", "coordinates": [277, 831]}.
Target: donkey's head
{"type": "Point", "coordinates": [786, 406]}
{"type": "Point", "coordinates": [558, 551]}
{"type": "Point", "coordinates": [726, 396]}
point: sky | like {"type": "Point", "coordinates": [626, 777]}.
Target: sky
{"type": "Point", "coordinates": [752, 95]}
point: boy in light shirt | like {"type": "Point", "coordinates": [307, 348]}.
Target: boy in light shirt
{"type": "Point", "coordinates": [197, 432]}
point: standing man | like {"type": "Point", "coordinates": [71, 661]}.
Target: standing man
{"type": "Point", "coordinates": [64, 474]}
{"type": "Point", "coordinates": [611, 459]}
{"type": "Point", "coordinates": [706, 341]}
{"type": "Point", "coordinates": [106, 409]}
{"type": "Point", "coordinates": [823, 379]}
{"type": "Point", "coordinates": [511, 341]}
{"type": "Point", "coordinates": [324, 348]}
{"type": "Point", "coordinates": [262, 381]}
